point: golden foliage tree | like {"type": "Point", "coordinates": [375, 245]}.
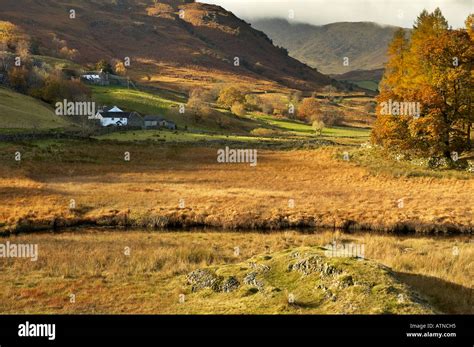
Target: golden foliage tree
{"type": "Point", "coordinates": [228, 96]}
{"type": "Point", "coordinates": [434, 71]}
{"type": "Point", "coordinates": [308, 109]}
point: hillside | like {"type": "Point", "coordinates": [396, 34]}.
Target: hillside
{"type": "Point", "coordinates": [171, 43]}
{"type": "Point", "coordinates": [18, 111]}
{"type": "Point", "coordinates": [368, 79]}
{"type": "Point", "coordinates": [325, 47]}
{"type": "Point", "coordinates": [360, 75]}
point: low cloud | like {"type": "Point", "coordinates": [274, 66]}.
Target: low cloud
{"type": "Point", "coordinates": [393, 12]}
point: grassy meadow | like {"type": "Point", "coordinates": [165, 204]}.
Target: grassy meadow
{"type": "Point", "coordinates": [175, 210]}
{"type": "Point", "coordinates": [145, 272]}
{"type": "Point", "coordinates": [325, 190]}
{"type": "Point", "coordinates": [138, 229]}
{"type": "Point", "coordinates": [135, 221]}
{"type": "Point", "coordinates": [23, 112]}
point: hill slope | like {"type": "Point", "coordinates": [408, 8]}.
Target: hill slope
{"type": "Point", "coordinates": [18, 111]}
{"type": "Point", "coordinates": [368, 79]}
{"type": "Point", "coordinates": [324, 47]}
{"type": "Point", "coordinates": [168, 41]}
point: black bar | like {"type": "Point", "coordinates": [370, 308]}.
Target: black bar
{"type": "Point", "coordinates": [366, 329]}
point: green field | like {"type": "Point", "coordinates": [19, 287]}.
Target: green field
{"type": "Point", "coordinates": [339, 135]}
{"type": "Point", "coordinates": [179, 136]}
{"type": "Point", "coordinates": [132, 100]}
{"type": "Point", "coordinates": [18, 111]}
{"type": "Point", "coordinates": [342, 134]}
{"type": "Point", "coordinates": [288, 125]}
{"type": "Point", "coordinates": [22, 112]}
{"type": "Point", "coordinates": [370, 85]}
{"type": "Point", "coordinates": [153, 103]}
{"type": "Point", "coordinates": [58, 63]}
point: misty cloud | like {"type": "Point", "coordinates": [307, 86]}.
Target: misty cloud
{"type": "Point", "coordinates": [393, 12]}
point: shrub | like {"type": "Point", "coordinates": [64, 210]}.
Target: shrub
{"type": "Point", "coordinates": [252, 102]}
{"type": "Point", "coordinates": [104, 65]}
{"type": "Point", "coordinates": [57, 89]}
{"type": "Point", "coordinates": [274, 105]}
{"type": "Point", "coordinates": [238, 109]}
{"type": "Point", "coordinates": [18, 77]}
{"type": "Point", "coordinates": [198, 105]}
{"type": "Point", "coordinates": [309, 109]}
{"type": "Point", "coordinates": [331, 117]}
{"type": "Point", "coordinates": [318, 127]}
{"type": "Point", "coordinates": [264, 132]}
{"type": "Point", "coordinates": [228, 96]}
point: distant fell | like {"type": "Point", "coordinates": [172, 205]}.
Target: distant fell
{"type": "Point", "coordinates": [325, 47]}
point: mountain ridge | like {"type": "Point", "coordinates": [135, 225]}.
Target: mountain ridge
{"type": "Point", "coordinates": [325, 47]}
{"type": "Point", "coordinates": [168, 38]}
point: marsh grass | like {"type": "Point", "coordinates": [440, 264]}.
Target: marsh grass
{"type": "Point", "coordinates": [93, 265]}
{"type": "Point", "coordinates": [327, 191]}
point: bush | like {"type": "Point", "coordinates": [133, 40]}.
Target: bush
{"type": "Point", "coordinates": [104, 65]}
{"type": "Point", "coordinates": [198, 104]}
{"type": "Point", "coordinates": [318, 127]}
{"type": "Point", "coordinates": [120, 69]}
{"type": "Point", "coordinates": [18, 77]}
{"type": "Point", "coordinates": [203, 95]}
{"type": "Point", "coordinates": [274, 105]}
{"type": "Point", "coordinates": [264, 132]}
{"type": "Point", "coordinates": [331, 117]}
{"type": "Point", "coordinates": [309, 109]}
{"type": "Point", "coordinates": [252, 102]}
{"type": "Point", "coordinates": [57, 89]}
{"type": "Point", "coordinates": [238, 109]}
{"type": "Point", "coordinates": [228, 96]}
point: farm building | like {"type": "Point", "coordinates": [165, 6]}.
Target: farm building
{"type": "Point", "coordinates": [104, 79]}
{"type": "Point", "coordinates": [151, 121]}
{"type": "Point", "coordinates": [114, 116]}
{"type": "Point", "coordinates": [101, 79]}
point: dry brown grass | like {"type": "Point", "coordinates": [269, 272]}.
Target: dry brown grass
{"type": "Point", "coordinates": [93, 266]}
{"type": "Point", "coordinates": [108, 190]}
{"type": "Point", "coordinates": [186, 78]}
{"type": "Point", "coordinates": [147, 191]}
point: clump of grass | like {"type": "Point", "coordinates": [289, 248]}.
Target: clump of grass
{"type": "Point", "coordinates": [381, 162]}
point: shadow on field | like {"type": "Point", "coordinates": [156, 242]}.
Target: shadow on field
{"type": "Point", "coordinates": [447, 297]}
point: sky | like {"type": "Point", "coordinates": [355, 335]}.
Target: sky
{"type": "Point", "coordinates": [393, 12]}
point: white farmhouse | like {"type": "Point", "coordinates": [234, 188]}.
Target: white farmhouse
{"type": "Point", "coordinates": [114, 116]}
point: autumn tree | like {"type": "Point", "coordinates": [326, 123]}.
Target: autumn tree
{"type": "Point", "coordinates": [120, 68]}
{"type": "Point", "coordinates": [252, 102]}
{"type": "Point", "coordinates": [228, 96]}
{"type": "Point", "coordinates": [10, 35]}
{"type": "Point", "coordinates": [198, 104]}
{"type": "Point", "coordinates": [470, 119]}
{"type": "Point", "coordinates": [104, 66]}
{"type": "Point", "coordinates": [318, 127]}
{"type": "Point", "coordinates": [391, 131]}
{"type": "Point", "coordinates": [434, 70]}
{"type": "Point", "coordinates": [238, 109]}
{"type": "Point", "coordinates": [308, 109]}
{"type": "Point", "coordinates": [18, 78]}
{"type": "Point", "coordinates": [57, 89]}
